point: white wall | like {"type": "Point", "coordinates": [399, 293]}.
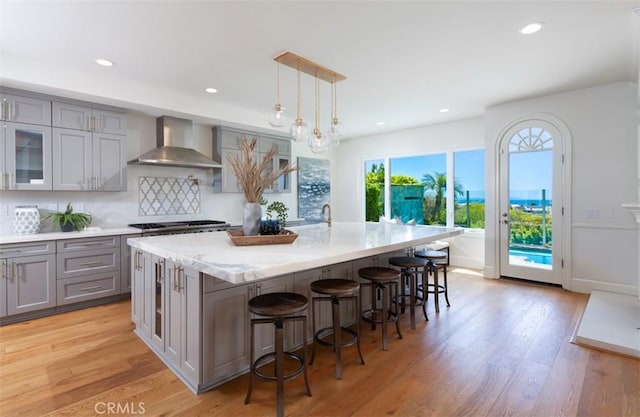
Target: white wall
{"type": "Point", "coordinates": [117, 209]}
{"type": "Point", "coordinates": [603, 125]}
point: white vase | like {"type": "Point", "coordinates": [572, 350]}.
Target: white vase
{"type": "Point", "coordinates": [251, 219]}
{"type": "Point", "coordinates": [26, 220]}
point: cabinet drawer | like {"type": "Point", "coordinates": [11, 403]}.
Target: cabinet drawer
{"type": "Point", "coordinates": [75, 245]}
{"type": "Point", "coordinates": [13, 250]}
{"type": "Point", "coordinates": [73, 290]}
{"type": "Point", "coordinates": [87, 262]}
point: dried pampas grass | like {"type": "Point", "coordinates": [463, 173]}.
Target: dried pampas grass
{"type": "Point", "coordinates": [255, 177]}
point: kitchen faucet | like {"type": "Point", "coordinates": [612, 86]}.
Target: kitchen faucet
{"type": "Point", "coordinates": [327, 206]}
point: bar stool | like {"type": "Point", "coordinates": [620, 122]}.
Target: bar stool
{"type": "Point", "coordinates": [409, 273]}
{"type": "Point", "coordinates": [434, 263]}
{"type": "Point", "coordinates": [386, 281]}
{"type": "Point", "coordinates": [277, 308]}
{"type": "Point", "coordinates": [337, 290]}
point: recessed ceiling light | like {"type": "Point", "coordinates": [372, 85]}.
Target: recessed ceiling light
{"type": "Point", "coordinates": [104, 62]}
{"type": "Point", "coordinates": [211, 90]}
{"type": "Point", "coordinates": [444, 110]}
{"type": "Point", "coordinates": [531, 28]}
{"type": "Point", "coordinates": [380, 123]}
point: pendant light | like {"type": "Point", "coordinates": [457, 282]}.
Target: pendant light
{"type": "Point", "coordinates": [335, 130]}
{"type": "Point", "coordinates": [299, 129]}
{"type": "Point", "coordinates": [317, 142]}
{"type": "Point", "coordinates": [277, 117]}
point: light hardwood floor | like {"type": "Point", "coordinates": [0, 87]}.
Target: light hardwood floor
{"type": "Point", "coordinates": [502, 349]}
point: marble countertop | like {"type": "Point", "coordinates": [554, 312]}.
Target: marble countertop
{"type": "Point", "coordinates": [317, 245]}
{"type": "Point", "coordinates": [40, 237]}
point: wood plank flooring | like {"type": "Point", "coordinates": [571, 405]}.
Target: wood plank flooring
{"type": "Point", "coordinates": [502, 349]}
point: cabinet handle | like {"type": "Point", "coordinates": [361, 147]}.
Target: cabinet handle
{"type": "Point", "coordinates": [9, 181]}
{"type": "Point", "coordinates": [102, 123]}
{"type": "Point", "coordinates": [96, 288]}
{"type": "Point", "coordinates": [176, 286]}
{"type": "Point", "coordinates": [1, 180]}
{"type": "Point", "coordinates": [4, 269]}
{"type": "Point", "coordinates": [138, 263]}
{"type": "Point", "coordinates": [95, 183]}
{"type": "Point", "coordinates": [17, 274]}
{"type": "Point", "coordinates": [95, 263]}
{"type": "Point", "coordinates": [181, 278]}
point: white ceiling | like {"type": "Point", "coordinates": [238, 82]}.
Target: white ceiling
{"type": "Point", "coordinates": [403, 60]}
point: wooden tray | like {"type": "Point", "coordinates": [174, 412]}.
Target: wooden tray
{"type": "Point", "coordinates": [239, 239]}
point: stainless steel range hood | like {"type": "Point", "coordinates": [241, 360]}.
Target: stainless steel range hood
{"type": "Point", "coordinates": [172, 139]}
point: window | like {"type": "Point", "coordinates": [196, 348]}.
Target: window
{"type": "Point", "coordinates": [417, 189]}
{"type": "Point", "coordinates": [374, 189]}
{"type": "Point", "coordinates": [469, 188]}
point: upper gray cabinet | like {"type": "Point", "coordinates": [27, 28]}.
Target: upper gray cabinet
{"type": "Point", "coordinates": [89, 148]}
{"type": "Point", "coordinates": [227, 143]}
{"type": "Point", "coordinates": [14, 108]}
{"type": "Point", "coordinates": [72, 116]}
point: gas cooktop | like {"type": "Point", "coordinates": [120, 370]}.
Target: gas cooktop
{"type": "Point", "coordinates": [179, 225]}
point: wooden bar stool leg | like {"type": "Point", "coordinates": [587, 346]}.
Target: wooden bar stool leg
{"type": "Point", "coordinates": [446, 286]}
{"type": "Point", "coordinates": [374, 304]}
{"type": "Point", "coordinates": [412, 297]}
{"type": "Point", "coordinates": [436, 288]}
{"type": "Point", "coordinates": [359, 304]}
{"type": "Point", "coordinates": [337, 334]}
{"type": "Point", "coordinates": [396, 311]}
{"type": "Point", "coordinates": [425, 288]}
{"type": "Point", "coordinates": [313, 330]}
{"type": "Point", "coordinates": [279, 367]}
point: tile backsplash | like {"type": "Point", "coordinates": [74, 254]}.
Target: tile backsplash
{"type": "Point", "coordinates": [162, 196]}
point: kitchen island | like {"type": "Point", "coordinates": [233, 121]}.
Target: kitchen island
{"type": "Point", "coordinates": [190, 291]}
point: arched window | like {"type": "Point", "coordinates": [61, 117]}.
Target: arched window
{"type": "Point", "coordinates": [530, 139]}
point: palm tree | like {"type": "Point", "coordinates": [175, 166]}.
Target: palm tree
{"type": "Point", "coordinates": [436, 185]}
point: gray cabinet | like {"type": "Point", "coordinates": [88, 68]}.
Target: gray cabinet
{"type": "Point", "coordinates": [226, 143]}
{"type": "Point", "coordinates": [158, 302]}
{"type": "Point", "coordinates": [183, 320]}
{"type": "Point", "coordinates": [28, 272]}
{"type": "Point", "coordinates": [88, 161]}
{"type": "Point", "coordinates": [15, 108]}
{"type": "Point", "coordinates": [87, 269]}
{"type": "Point", "coordinates": [78, 117]}
{"type": "Point", "coordinates": [25, 157]}
{"type": "Point", "coordinates": [142, 292]}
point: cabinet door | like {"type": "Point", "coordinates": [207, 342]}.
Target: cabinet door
{"type": "Point", "coordinates": [182, 320]}
{"type": "Point", "coordinates": [4, 277]}
{"type": "Point", "coordinates": [28, 156]}
{"type": "Point", "coordinates": [26, 110]}
{"type": "Point", "coordinates": [322, 310]}
{"type": "Point", "coordinates": [110, 122]}
{"type": "Point", "coordinates": [71, 116]}
{"type": "Point", "coordinates": [283, 183]}
{"type": "Point", "coordinates": [226, 332]}
{"type": "Point", "coordinates": [230, 182]}
{"type": "Point", "coordinates": [71, 160]}
{"type": "Point", "coordinates": [109, 162]}
{"type": "Point", "coordinates": [265, 333]}
{"type": "Point", "coordinates": [125, 264]}
{"type": "Point", "coordinates": [31, 283]}
{"type": "Point", "coordinates": [158, 302]}
{"type": "Point", "coordinates": [141, 302]}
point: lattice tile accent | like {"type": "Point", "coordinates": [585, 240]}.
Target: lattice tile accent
{"type": "Point", "coordinates": [157, 196]}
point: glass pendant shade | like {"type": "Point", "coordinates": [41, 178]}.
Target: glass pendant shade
{"type": "Point", "coordinates": [318, 144]}
{"type": "Point", "coordinates": [335, 132]}
{"type": "Point", "coordinates": [277, 118]}
{"type": "Point", "coordinates": [299, 130]}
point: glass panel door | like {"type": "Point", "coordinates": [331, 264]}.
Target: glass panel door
{"type": "Point", "coordinates": [530, 203]}
{"type": "Point", "coordinates": [28, 156]}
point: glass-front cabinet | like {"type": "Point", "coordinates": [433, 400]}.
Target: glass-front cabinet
{"type": "Point", "coordinates": [25, 157]}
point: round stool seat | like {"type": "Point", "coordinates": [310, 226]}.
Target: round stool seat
{"type": "Point", "coordinates": [335, 286]}
{"type": "Point", "coordinates": [278, 304]}
{"type": "Point", "coordinates": [378, 274]}
{"type": "Point", "coordinates": [432, 255]}
{"type": "Point", "coordinates": [407, 262]}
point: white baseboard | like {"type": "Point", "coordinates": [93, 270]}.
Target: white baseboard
{"type": "Point", "coordinates": [467, 262]}
{"type": "Point", "coordinates": [586, 286]}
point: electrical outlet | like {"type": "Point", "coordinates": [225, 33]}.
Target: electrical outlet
{"type": "Point", "coordinates": [4, 210]}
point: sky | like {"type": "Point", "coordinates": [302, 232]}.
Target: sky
{"type": "Point", "coordinates": [529, 171]}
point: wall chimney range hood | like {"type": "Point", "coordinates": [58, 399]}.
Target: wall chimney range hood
{"type": "Point", "coordinates": [172, 138]}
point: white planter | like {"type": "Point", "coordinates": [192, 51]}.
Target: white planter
{"type": "Point", "coordinates": [26, 220]}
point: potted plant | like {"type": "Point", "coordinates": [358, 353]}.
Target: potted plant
{"type": "Point", "coordinates": [275, 226]}
{"type": "Point", "coordinates": [69, 221]}
{"type": "Point", "coordinates": [254, 176]}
